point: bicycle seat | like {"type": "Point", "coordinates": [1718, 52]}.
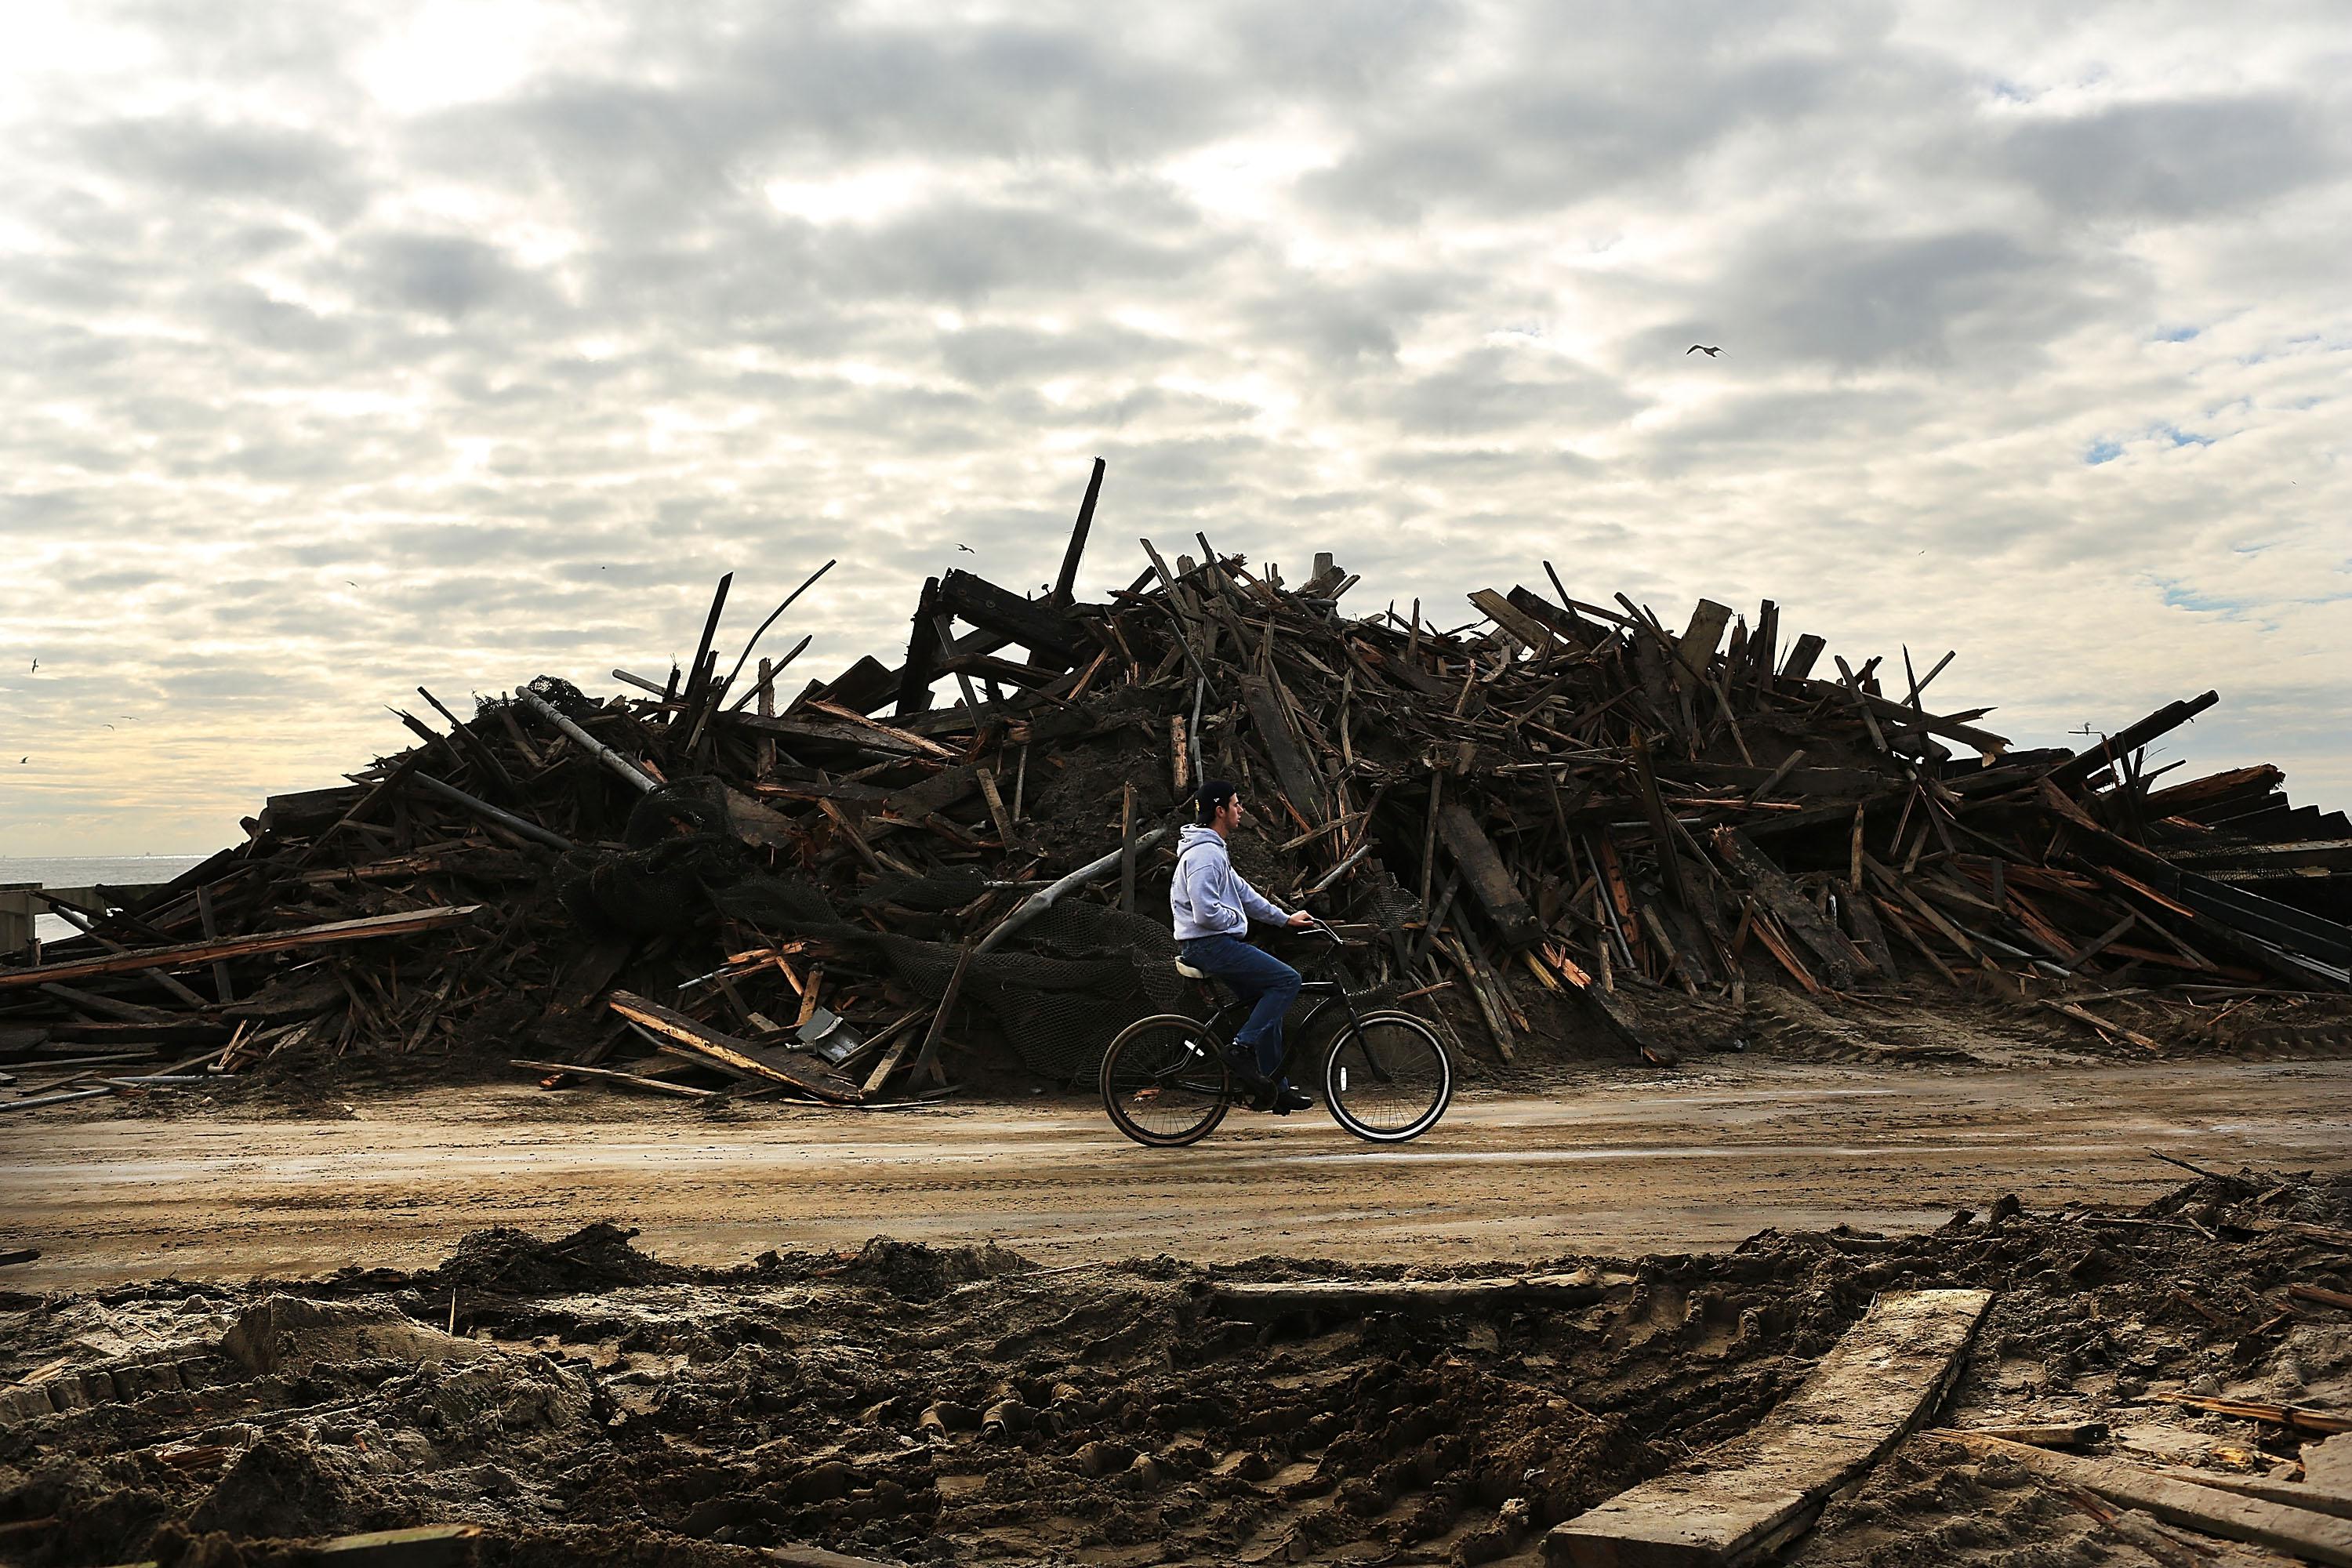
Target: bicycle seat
{"type": "Point", "coordinates": [1189, 972]}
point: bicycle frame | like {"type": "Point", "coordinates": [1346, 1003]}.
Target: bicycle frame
{"type": "Point", "coordinates": [1227, 1014]}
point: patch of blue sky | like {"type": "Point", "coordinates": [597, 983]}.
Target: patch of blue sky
{"type": "Point", "coordinates": [2101, 451]}
{"type": "Point", "coordinates": [2176, 334]}
{"type": "Point", "coordinates": [2179, 596]}
{"type": "Point", "coordinates": [2180, 437]}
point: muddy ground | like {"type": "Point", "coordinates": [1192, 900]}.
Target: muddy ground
{"type": "Point", "coordinates": [908, 1404]}
{"type": "Point", "coordinates": [1620, 1161]}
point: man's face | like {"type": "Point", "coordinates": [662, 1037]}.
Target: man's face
{"type": "Point", "coordinates": [1229, 816]}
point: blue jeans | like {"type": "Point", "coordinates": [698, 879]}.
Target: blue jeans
{"type": "Point", "coordinates": [1256, 977]}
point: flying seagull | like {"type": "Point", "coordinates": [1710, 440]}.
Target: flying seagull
{"type": "Point", "coordinates": [110, 726]}
{"type": "Point", "coordinates": [37, 666]}
{"type": "Point", "coordinates": [1700, 349]}
{"type": "Point", "coordinates": [967, 549]}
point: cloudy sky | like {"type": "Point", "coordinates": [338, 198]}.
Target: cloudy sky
{"type": "Point", "coordinates": [348, 347]}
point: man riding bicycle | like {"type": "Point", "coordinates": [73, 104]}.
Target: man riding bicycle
{"type": "Point", "coordinates": [1213, 905]}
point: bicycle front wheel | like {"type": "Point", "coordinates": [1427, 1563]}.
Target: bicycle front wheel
{"type": "Point", "coordinates": [1164, 1081]}
{"type": "Point", "coordinates": [1388, 1077]}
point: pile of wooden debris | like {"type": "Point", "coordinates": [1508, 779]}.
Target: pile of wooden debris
{"type": "Point", "coordinates": [1563, 819]}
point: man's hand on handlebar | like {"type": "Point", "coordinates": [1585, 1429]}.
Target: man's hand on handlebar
{"type": "Point", "coordinates": [1301, 919]}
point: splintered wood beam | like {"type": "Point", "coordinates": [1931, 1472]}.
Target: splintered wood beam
{"type": "Point", "coordinates": [1065, 582]}
{"type": "Point", "coordinates": [1747, 1497]}
{"type": "Point", "coordinates": [2130, 738]}
{"type": "Point", "coordinates": [1490, 881]}
{"type": "Point", "coordinates": [188, 954]}
{"type": "Point", "coordinates": [1042, 628]}
{"type": "Point", "coordinates": [738, 1055]}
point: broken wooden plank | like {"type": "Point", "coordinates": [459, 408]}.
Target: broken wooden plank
{"type": "Point", "coordinates": [1841, 959]}
{"type": "Point", "coordinates": [2314, 1537]}
{"type": "Point", "coordinates": [742, 1056]}
{"type": "Point", "coordinates": [2047, 1435]}
{"type": "Point", "coordinates": [2073, 772]}
{"type": "Point", "coordinates": [1300, 781]}
{"type": "Point", "coordinates": [1065, 581]}
{"type": "Point", "coordinates": [1518, 624]}
{"type": "Point", "coordinates": [1490, 881]}
{"type": "Point", "coordinates": [1695, 649]}
{"type": "Point", "coordinates": [188, 954]}
{"type": "Point", "coordinates": [1759, 1491]}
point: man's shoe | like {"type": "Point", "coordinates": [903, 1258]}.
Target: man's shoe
{"type": "Point", "coordinates": [1287, 1100]}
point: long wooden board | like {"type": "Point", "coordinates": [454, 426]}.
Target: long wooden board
{"type": "Point", "coordinates": [2299, 1533]}
{"type": "Point", "coordinates": [1759, 1491]}
{"type": "Point", "coordinates": [186, 955]}
{"type": "Point", "coordinates": [742, 1056]}
{"type": "Point", "coordinates": [1276, 1298]}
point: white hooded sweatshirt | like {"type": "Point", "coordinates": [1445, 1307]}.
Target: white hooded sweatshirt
{"type": "Point", "coordinates": [1209, 897]}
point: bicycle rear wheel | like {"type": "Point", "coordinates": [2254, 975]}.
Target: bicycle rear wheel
{"type": "Point", "coordinates": [1164, 1081]}
{"type": "Point", "coordinates": [1388, 1077]}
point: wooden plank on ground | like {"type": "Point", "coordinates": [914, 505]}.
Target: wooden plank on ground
{"type": "Point", "coordinates": [188, 954]}
{"type": "Point", "coordinates": [608, 1075]}
{"type": "Point", "coordinates": [1761, 1490]}
{"type": "Point", "coordinates": [742, 1056]}
{"type": "Point", "coordinates": [1263, 1301]}
{"type": "Point", "coordinates": [2299, 1533]}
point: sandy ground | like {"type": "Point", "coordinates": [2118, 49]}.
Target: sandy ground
{"type": "Point", "coordinates": [1614, 1163]}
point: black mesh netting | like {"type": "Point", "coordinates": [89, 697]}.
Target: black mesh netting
{"type": "Point", "coordinates": [679, 850]}
{"type": "Point", "coordinates": [1091, 972]}
{"type": "Point", "coordinates": [1085, 971]}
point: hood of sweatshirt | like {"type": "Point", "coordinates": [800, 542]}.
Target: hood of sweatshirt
{"type": "Point", "coordinates": [1193, 833]}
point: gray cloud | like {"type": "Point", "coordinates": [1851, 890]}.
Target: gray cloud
{"type": "Point", "coordinates": [463, 370]}
{"type": "Point", "coordinates": [2174, 160]}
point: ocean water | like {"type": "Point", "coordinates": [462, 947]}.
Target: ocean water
{"type": "Point", "coordinates": [88, 870]}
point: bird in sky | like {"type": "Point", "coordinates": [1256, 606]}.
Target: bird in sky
{"type": "Point", "coordinates": [22, 761]}
{"type": "Point", "coordinates": [967, 549]}
{"type": "Point", "coordinates": [349, 581]}
{"type": "Point", "coordinates": [37, 666]}
{"type": "Point", "coordinates": [110, 726]}
{"type": "Point", "coordinates": [1700, 349]}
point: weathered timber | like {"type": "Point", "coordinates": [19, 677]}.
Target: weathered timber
{"type": "Point", "coordinates": [188, 954]}
{"type": "Point", "coordinates": [1841, 959]}
{"type": "Point", "coordinates": [1042, 628]}
{"type": "Point", "coordinates": [2299, 1533]}
{"type": "Point", "coordinates": [1335, 1297]}
{"type": "Point", "coordinates": [1489, 880]}
{"type": "Point", "coordinates": [779, 1066]}
{"type": "Point", "coordinates": [1761, 1490]}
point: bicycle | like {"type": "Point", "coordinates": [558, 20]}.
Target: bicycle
{"type": "Point", "coordinates": [1387, 1078]}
